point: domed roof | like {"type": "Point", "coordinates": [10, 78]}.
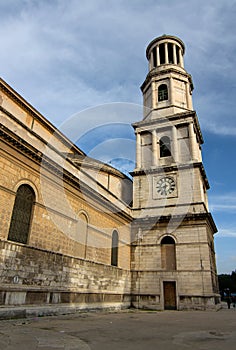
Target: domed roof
{"type": "Point", "coordinates": [163, 37]}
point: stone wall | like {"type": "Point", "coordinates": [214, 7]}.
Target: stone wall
{"type": "Point", "coordinates": [33, 276]}
{"type": "Point", "coordinates": [65, 259]}
{"type": "Point", "coordinates": [55, 224]}
{"type": "Point", "coordinates": [191, 273]}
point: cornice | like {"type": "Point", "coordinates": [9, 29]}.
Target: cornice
{"type": "Point", "coordinates": [76, 158]}
{"type": "Point", "coordinates": [87, 162]}
{"type": "Point", "coordinates": [160, 120]}
{"type": "Point", "coordinates": [152, 222]}
{"type": "Point", "coordinates": [33, 154]}
{"type": "Point", "coordinates": [20, 101]}
{"type": "Point", "coordinates": [183, 116]}
{"type": "Point", "coordinates": [160, 71]}
{"type": "Point", "coordinates": [172, 168]}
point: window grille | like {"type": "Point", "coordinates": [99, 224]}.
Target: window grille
{"type": "Point", "coordinates": [21, 215]}
{"type": "Point", "coordinates": [162, 93]}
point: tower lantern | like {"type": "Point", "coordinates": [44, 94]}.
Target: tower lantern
{"type": "Point", "coordinates": [165, 49]}
{"type": "Point", "coordinates": [167, 87]}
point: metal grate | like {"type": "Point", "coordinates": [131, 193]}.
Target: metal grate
{"type": "Point", "coordinates": [21, 215]}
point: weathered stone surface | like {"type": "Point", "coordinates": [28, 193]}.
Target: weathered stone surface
{"type": "Point", "coordinates": [80, 204]}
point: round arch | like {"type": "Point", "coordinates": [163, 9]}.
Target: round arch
{"type": "Point", "coordinates": [167, 240]}
{"type": "Point", "coordinates": [29, 183]}
{"type": "Point", "coordinates": [83, 213]}
{"type": "Point", "coordinates": [167, 235]}
{"type": "Point", "coordinates": [168, 253]}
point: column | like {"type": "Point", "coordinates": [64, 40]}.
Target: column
{"type": "Point", "coordinates": [154, 95]}
{"type": "Point", "coordinates": [152, 62]}
{"type": "Point", "coordinates": [166, 53]}
{"type": "Point", "coordinates": [174, 54]}
{"type": "Point", "coordinates": [154, 148]}
{"type": "Point", "coordinates": [158, 56]}
{"type": "Point", "coordinates": [175, 152]}
{"type": "Point", "coordinates": [149, 64]}
{"type": "Point", "coordinates": [171, 91]}
{"type": "Point", "coordinates": [193, 142]}
{"type": "Point", "coordinates": [138, 151]}
{"type": "Point", "coordinates": [181, 60]}
{"type": "Point", "coordinates": [188, 99]}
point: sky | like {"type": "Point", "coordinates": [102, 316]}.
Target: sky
{"type": "Point", "coordinates": [66, 57]}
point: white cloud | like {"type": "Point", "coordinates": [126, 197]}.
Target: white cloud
{"type": "Point", "coordinates": [223, 203]}
{"type": "Point", "coordinates": [65, 56]}
{"type": "Point", "coordinates": [226, 232]}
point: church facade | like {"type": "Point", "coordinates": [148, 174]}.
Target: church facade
{"type": "Point", "coordinates": [77, 232]}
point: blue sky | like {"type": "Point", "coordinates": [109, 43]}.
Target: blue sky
{"type": "Point", "coordinates": [65, 56]}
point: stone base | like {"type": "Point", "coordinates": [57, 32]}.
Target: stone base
{"type": "Point", "coordinates": [21, 304]}
{"type": "Point", "coordinates": [28, 297]}
{"type": "Point", "coordinates": [28, 311]}
{"type": "Point", "coordinates": [155, 302]}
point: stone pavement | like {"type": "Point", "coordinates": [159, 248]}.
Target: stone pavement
{"type": "Point", "coordinates": [128, 330]}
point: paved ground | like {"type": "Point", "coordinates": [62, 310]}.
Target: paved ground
{"type": "Point", "coordinates": [126, 330]}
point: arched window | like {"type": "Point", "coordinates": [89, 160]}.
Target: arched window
{"type": "Point", "coordinates": [168, 257]}
{"type": "Point", "coordinates": [83, 224]}
{"type": "Point", "coordinates": [162, 92]}
{"type": "Point", "coordinates": [114, 248]}
{"type": "Point", "coordinates": [165, 147]}
{"type": "Point", "coordinates": [21, 215]}
{"type": "Point", "coordinates": [83, 231]}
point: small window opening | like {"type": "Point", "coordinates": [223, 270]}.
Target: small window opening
{"type": "Point", "coordinates": [177, 54]}
{"type": "Point", "coordinates": [170, 53]}
{"type": "Point", "coordinates": [154, 52]}
{"type": "Point", "coordinates": [162, 92]}
{"type": "Point", "coordinates": [165, 147]}
{"type": "Point", "coordinates": [162, 53]}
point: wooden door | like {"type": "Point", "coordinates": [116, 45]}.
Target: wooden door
{"type": "Point", "coordinates": [169, 295]}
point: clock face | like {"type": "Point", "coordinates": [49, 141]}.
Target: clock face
{"type": "Point", "coordinates": [165, 186]}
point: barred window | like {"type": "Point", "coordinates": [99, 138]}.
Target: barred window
{"type": "Point", "coordinates": [22, 214]}
{"type": "Point", "coordinates": [162, 92]}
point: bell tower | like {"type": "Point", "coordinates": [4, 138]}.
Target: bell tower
{"type": "Point", "coordinates": [173, 259]}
